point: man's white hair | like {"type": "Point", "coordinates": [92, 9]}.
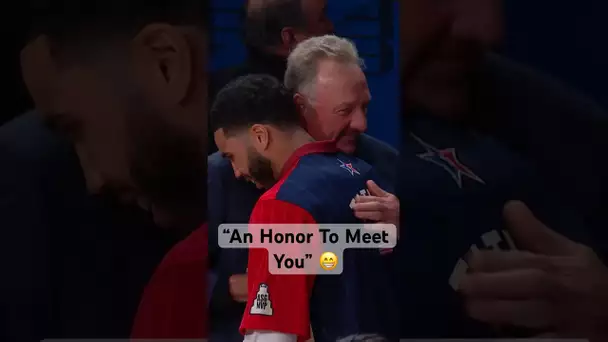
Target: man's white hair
{"type": "Point", "coordinates": [303, 61]}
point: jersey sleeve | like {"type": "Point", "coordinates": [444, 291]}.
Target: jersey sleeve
{"type": "Point", "coordinates": [277, 303]}
{"type": "Point", "coordinates": [174, 303]}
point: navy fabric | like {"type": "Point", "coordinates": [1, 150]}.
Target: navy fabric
{"type": "Point", "coordinates": [231, 201]}
{"type": "Point", "coordinates": [73, 265]}
{"type": "Point", "coordinates": [534, 147]}
{"type": "Point", "coordinates": [360, 300]}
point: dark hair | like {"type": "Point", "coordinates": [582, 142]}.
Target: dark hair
{"type": "Point", "coordinates": [263, 25]}
{"type": "Point", "coordinates": [254, 99]}
{"type": "Point", "coordinates": [72, 22]}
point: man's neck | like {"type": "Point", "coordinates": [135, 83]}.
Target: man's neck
{"type": "Point", "coordinates": [294, 141]}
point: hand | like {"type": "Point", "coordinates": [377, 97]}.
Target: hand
{"type": "Point", "coordinates": [380, 206]}
{"type": "Point", "coordinates": [238, 287]}
{"type": "Point", "coordinates": [553, 284]}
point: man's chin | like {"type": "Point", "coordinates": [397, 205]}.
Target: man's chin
{"type": "Point", "coordinates": [347, 145]}
{"type": "Point", "coordinates": [163, 219]}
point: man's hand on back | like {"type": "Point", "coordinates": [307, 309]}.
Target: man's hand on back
{"type": "Point", "coordinates": [380, 206]}
{"type": "Point", "coordinates": [553, 283]}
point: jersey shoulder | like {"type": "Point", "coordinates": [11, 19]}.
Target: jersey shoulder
{"type": "Point", "coordinates": [324, 185]}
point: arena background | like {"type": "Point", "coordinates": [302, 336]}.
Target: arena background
{"type": "Point", "coordinates": [562, 38]}
{"type": "Point", "coordinates": [371, 24]}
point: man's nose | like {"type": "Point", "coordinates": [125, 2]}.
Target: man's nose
{"type": "Point", "coordinates": [237, 173]}
{"type": "Point", "coordinates": [93, 178]}
{"type": "Point", "coordinates": [480, 21]}
{"type": "Point", "coordinates": [358, 122]}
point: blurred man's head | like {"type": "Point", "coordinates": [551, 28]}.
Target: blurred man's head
{"type": "Point", "coordinates": [331, 91]}
{"type": "Point", "coordinates": [442, 45]}
{"type": "Point", "coordinates": [126, 82]}
{"type": "Point", "coordinates": [255, 121]}
{"type": "Point", "coordinates": [277, 26]}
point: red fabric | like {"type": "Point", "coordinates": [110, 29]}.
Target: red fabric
{"type": "Point", "coordinates": [288, 294]}
{"type": "Point", "coordinates": [174, 304]}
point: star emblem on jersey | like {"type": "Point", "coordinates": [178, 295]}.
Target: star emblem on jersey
{"type": "Point", "coordinates": [447, 159]}
{"type": "Point", "coordinates": [348, 167]}
{"type": "Point", "coordinates": [261, 303]}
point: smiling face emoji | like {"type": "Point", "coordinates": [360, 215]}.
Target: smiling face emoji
{"type": "Point", "coordinates": [328, 261]}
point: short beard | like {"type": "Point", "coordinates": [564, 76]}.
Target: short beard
{"type": "Point", "coordinates": [260, 168]}
{"type": "Point", "coordinates": [167, 165]}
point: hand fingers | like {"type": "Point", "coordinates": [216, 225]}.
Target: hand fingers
{"type": "Point", "coordinates": [375, 190]}
{"type": "Point", "coordinates": [369, 206]}
{"type": "Point", "coordinates": [369, 215]}
{"type": "Point", "coordinates": [496, 261]}
{"type": "Point", "coordinates": [531, 234]}
{"type": "Point", "coordinates": [366, 199]}
{"type": "Point", "coordinates": [512, 284]}
{"type": "Point", "coordinates": [522, 313]}
{"type": "Point", "coordinates": [238, 287]}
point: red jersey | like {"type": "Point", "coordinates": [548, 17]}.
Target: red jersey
{"type": "Point", "coordinates": [280, 303]}
{"type": "Point", "coordinates": [174, 303]}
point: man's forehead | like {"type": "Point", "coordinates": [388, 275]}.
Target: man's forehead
{"type": "Point", "coordinates": [223, 140]}
{"type": "Point", "coordinates": [333, 75]}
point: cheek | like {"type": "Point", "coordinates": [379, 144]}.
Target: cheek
{"type": "Point", "coordinates": [240, 166]}
{"type": "Point", "coordinates": [323, 124]}
{"type": "Point", "coordinates": [104, 138]}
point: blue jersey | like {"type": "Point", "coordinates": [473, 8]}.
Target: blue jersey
{"type": "Point", "coordinates": [454, 185]}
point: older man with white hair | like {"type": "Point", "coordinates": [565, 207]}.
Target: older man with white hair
{"type": "Point", "coordinates": [326, 75]}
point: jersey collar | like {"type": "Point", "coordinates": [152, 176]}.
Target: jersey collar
{"type": "Point", "coordinates": [311, 148]}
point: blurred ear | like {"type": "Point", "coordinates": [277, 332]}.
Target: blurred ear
{"type": "Point", "coordinates": [288, 38]}
{"type": "Point", "coordinates": [163, 59]}
{"type": "Point", "coordinates": [304, 109]}
{"type": "Point", "coordinates": [260, 137]}
{"type": "Point", "coordinates": [300, 101]}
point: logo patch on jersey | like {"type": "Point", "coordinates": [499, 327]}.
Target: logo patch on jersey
{"type": "Point", "coordinates": [349, 167]}
{"type": "Point", "coordinates": [261, 303]}
{"type": "Point", "coordinates": [446, 158]}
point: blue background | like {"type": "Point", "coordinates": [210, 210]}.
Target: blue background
{"type": "Point", "coordinates": [371, 24]}
{"type": "Point", "coordinates": [562, 39]}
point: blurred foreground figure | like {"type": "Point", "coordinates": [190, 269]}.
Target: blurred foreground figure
{"type": "Point", "coordinates": [122, 86]}
{"type": "Point", "coordinates": [480, 131]}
